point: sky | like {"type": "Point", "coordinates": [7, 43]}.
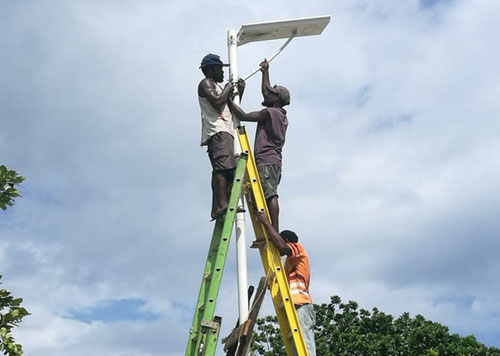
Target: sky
{"type": "Point", "coordinates": [390, 167]}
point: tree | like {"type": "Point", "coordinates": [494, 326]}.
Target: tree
{"type": "Point", "coordinates": [11, 312]}
{"type": "Point", "coordinates": [8, 191]}
{"type": "Point", "coordinates": [343, 329]}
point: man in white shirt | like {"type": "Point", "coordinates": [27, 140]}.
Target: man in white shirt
{"type": "Point", "coordinates": [217, 132]}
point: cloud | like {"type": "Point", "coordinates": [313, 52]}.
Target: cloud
{"type": "Point", "coordinates": [390, 165]}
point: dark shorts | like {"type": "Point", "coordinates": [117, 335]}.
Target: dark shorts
{"type": "Point", "coordinates": [270, 177]}
{"type": "Point", "coordinates": [221, 151]}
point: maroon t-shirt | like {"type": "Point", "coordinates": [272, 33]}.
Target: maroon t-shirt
{"type": "Point", "coordinates": [270, 137]}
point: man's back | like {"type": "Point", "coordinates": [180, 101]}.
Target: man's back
{"type": "Point", "coordinates": [298, 273]}
{"type": "Point", "coordinates": [270, 137]}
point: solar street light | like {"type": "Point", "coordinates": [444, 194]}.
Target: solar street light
{"type": "Point", "coordinates": [263, 31]}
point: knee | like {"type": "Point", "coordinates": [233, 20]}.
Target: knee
{"type": "Point", "coordinates": [229, 175]}
{"type": "Point", "coordinates": [272, 200]}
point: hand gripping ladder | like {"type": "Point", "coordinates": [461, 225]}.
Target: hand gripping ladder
{"type": "Point", "coordinates": [271, 259]}
{"type": "Point", "coordinates": [205, 329]}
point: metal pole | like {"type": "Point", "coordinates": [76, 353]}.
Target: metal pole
{"type": "Point", "coordinates": [232, 43]}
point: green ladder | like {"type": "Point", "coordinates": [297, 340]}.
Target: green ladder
{"type": "Point", "coordinates": [205, 329]}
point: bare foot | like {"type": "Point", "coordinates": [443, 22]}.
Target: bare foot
{"type": "Point", "coordinates": [218, 214]}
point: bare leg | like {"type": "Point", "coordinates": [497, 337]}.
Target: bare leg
{"type": "Point", "coordinates": [274, 211]}
{"type": "Point", "coordinates": [219, 193]}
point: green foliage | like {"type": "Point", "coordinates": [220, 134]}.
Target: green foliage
{"type": "Point", "coordinates": [342, 329]}
{"type": "Point", "coordinates": [267, 339]}
{"type": "Point", "coordinates": [11, 314]}
{"type": "Point", "coordinates": [8, 191]}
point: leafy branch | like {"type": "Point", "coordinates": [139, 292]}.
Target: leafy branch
{"type": "Point", "coordinates": [9, 179]}
{"type": "Point", "coordinates": [11, 314]}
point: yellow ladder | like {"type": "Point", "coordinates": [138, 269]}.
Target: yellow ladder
{"type": "Point", "coordinates": [271, 259]}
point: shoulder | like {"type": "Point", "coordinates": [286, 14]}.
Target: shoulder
{"type": "Point", "coordinates": [265, 113]}
{"type": "Point", "coordinates": [297, 249]}
{"type": "Point", "coordinates": [276, 113]}
{"type": "Point", "coordinates": [260, 116]}
{"type": "Point", "coordinates": [205, 85]}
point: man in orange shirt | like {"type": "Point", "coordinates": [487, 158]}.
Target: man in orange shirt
{"type": "Point", "coordinates": [298, 274]}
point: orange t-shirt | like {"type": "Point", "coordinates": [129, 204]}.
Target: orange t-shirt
{"type": "Point", "coordinates": [297, 270]}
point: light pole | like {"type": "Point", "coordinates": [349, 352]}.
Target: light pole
{"type": "Point", "coordinates": [239, 223]}
{"type": "Point", "coordinates": [252, 33]}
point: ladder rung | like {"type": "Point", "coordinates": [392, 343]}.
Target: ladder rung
{"type": "Point", "coordinates": [282, 304]}
{"type": "Point", "coordinates": [217, 245]}
{"type": "Point", "coordinates": [209, 324]}
{"type": "Point", "coordinates": [201, 307]}
{"type": "Point", "coordinates": [258, 243]}
{"type": "Point", "coordinates": [289, 335]}
{"type": "Point", "coordinates": [272, 277]}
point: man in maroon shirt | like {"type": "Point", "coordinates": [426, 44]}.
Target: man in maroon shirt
{"type": "Point", "coordinates": [269, 138]}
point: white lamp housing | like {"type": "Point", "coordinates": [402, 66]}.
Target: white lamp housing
{"type": "Point", "coordinates": [265, 31]}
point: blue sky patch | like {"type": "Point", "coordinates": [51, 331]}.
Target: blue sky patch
{"type": "Point", "coordinates": [430, 3]}
{"type": "Point", "coordinates": [363, 95]}
{"type": "Point", "coordinates": [489, 338]}
{"type": "Point", "coordinates": [463, 301]}
{"type": "Point", "coordinates": [114, 310]}
{"type": "Point", "coordinates": [186, 309]}
{"type": "Point", "coordinates": [391, 122]}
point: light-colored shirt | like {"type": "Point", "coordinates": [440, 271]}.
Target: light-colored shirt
{"type": "Point", "coordinates": [213, 120]}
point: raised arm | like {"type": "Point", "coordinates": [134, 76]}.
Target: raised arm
{"type": "Point", "coordinates": [266, 84]}
{"type": "Point", "coordinates": [254, 116]}
{"type": "Point", "coordinates": [276, 238]}
{"type": "Point", "coordinates": [206, 89]}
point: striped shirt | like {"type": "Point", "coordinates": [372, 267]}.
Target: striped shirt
{"type": "Point", "coordinates": [297, 270]}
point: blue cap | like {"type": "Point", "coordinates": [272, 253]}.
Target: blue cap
{"type": "Point", "coordinates": [212, 60]}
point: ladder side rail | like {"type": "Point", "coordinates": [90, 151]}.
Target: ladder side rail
{"type": "Point", "coordinates": [279, 289]}
{"type": "Point", "coordinates": [271, 258]}
{"type": "Point", "coordinates": [205, 328]}
{"type": "Point", "coordinates": [212, 338]}
{"type": "Point", "coordinates": [225, 237]}
{"type": "Point", "coordinates": [195, 331]}
{"type": "Point", "coordinates": [280, 300]}
{"type": "Point", "coordinates": [211, 334]}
